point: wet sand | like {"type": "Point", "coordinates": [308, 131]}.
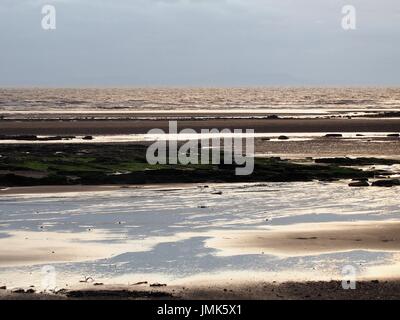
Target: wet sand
{"type": "Point", "coordinates": [310, 239]}
{"type": "Point", "coordinates": [32, 248]}
{"type": "Point", "coordinates": [326, 147]}
{"type": "Point", "coordinates": [321, 290]}
{"type": "Point", "coordinates": [143, 126]}
{"type": "Point", "coordinates": [297, 240]}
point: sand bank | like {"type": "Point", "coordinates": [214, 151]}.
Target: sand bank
{"type": "Point", "coordinates": [310, 239]}
{"type": "Point", "coordinates": [143, 126]}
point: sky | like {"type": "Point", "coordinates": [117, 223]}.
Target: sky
{"type": "Point", "coordinates": [199, 43]}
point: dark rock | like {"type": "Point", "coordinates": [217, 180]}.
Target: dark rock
{"type": "Point", "coordinates": [393, 135]}
{"type": "Point", "coordinates": [333, 135]}
{"type": "Point", "coordinates": [386, 183]}
{"type": "Point", "coordinates": [19, 291]}
{"type": "Point", "coordinates": [19, 137]}
{"type": "Point", "coordinates": [158, 285]}
{"type": "Point", "coordinates": [3, 288]}
{"type": "Point", "coordinates": [34, 138]}
{"type": "Point", "coordinates": [26, 137]}
{"type": "Point", "coordinates": [346, 161]}
{"type": "Point", "coordinates": [359, 184]}
{"type": "Point", "coordinates": [87, 138]}
{"type": "Point", "coordinates": [114, 294]}
{"type": "Point", "coordinates": [283, 138]}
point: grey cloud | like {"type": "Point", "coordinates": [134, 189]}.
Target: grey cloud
{"type": "Point", "coordinates": [199, 42]}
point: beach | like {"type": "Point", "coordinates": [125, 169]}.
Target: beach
{"type": "Point", "coordinates": [210, 241]}
{"type": "Point", "coordinates": [77, 195]}
{"type": "Point", "coordinates": [178, 150]}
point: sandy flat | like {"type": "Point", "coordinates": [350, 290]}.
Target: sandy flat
{"type": "Point", "coordinates": [310, 239]}
{"type": "Point", "coordinates": [325, 147]}
{"type": "Point", "coordinates": [22, 248]}
{"type": "Point", "coordinates": [143, 126]}
{"type": "Point", "coordinates": [28, 248]}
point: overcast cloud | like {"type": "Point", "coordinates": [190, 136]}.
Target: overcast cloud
{"type": "Point", "coordinates": [199, 43]}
